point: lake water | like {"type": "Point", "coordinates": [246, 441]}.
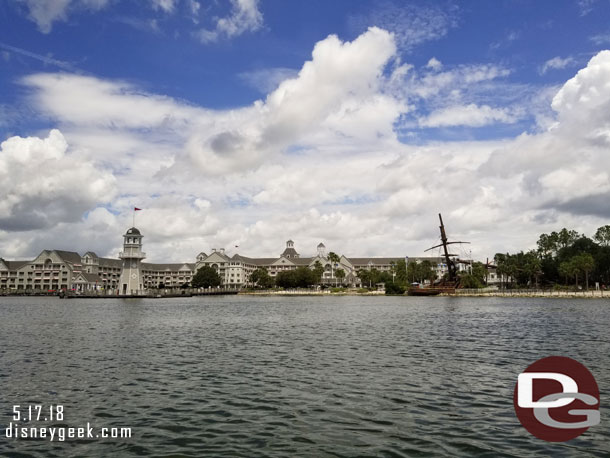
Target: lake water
{"type": "Point", "coordinates": [293, 376]}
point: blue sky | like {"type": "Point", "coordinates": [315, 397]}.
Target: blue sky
{"type": "Point", "coordinates": [217, 119]}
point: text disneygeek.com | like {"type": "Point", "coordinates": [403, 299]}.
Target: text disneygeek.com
{"type": "Point", "coordinates": [40, 414]}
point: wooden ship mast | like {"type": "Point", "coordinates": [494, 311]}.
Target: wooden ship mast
{"type": "Point", "coordinates": [451, 265]}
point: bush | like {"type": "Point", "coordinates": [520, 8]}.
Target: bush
{"type": "Point", "coordinates": [393, 288]}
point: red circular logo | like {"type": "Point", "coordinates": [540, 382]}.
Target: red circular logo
{"type": "Point", "coordinates": [556, 399]}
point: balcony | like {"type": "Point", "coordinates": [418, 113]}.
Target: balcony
{"type": "Point", "coordinates": [132, 255]}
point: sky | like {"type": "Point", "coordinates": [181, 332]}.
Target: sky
{"type": "Point", "coordinates": [244, 123]}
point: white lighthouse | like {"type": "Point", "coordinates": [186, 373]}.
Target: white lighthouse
{"type": "Point", "coordinates": [131, 282]}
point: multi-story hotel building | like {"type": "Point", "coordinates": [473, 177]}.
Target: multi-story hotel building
{"type": "Point", "coordinates": [54, 270]}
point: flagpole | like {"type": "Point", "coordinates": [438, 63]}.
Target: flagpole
{"type": "Point", "coordinates": [134, 218]}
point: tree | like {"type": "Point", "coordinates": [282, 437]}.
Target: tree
{"type": "Point", "coordinates": [400, 267]}
{"type": "Point", "coordinates": [602, 236]}
{"type": "Point", "coordinates": [365, 277]}
{"type": "Point", "coordinates": [318, 270]}
{"type": "Point", "coordinates": [302, 277]}
{"type": "Point", "coordinates": [286, 279]}
{"type": "Point", "coordinates": [261, 278]}
{"type": "Point", "coordinates": [206, 277]}
{"type": "Point", "coordinates": [393, 289]}
{"type": "Point", "coordinates": [565, 270]}
{"type": "Point", "coordinates": [584, 263]}
{"type": "Point", "coordinates": [334, 259]}
{"type": "Point", "coordinates": [340, 274]}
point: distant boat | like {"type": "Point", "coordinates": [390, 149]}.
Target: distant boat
{"type": "Point", "coordinates": [443, 286]}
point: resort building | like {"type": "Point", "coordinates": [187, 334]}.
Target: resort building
{"type": "Point", "coordinates": [54, 270]}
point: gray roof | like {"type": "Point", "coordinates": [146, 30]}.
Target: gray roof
{"type": "Point", "coordinates": [108, 262]}
{"type": "Point", "coordinates": [14, 265]}
{"type": "Point", "coordinates": [133, 231]}
{"type": "Point", "coordinates": [321, 245]}
{"type": "Point", "coordinates": [302, 261]}
{"type": "Point", "coordinates": [91, 253]}
{"type": "Point", "coordinates": [255, 261]}
{"type": "Point", "coordinates": [91, 278]}
{"type": "Point", "coordinates": [167, 267]}
{"type": "Point", "coordinates": [290, 252]}
{"type": "Point", "coordinates": [374, 261]}
{"type": "Point", "coordinates": [69, 256]}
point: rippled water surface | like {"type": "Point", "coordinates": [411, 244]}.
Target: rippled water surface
{"type": "Point", "coordinates": [294, 376]}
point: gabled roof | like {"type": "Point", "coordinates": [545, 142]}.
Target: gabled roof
{"type": "Point", "coordinates": [89, 278]}
{"type": "Point", "coordinates": [91, 254]}
{"type": "Point", "coordinates": [290, 252]}
{"type": "Point", "coordinates": [282, 261]}
{"type": "Point", "coordinates": [222, 256]}
{"type": "Point", "coordinates": [69, 256]}
{"type": "Point", "coordinates": [302, 261]}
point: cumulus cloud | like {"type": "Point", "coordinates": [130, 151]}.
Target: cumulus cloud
{"type": "Point", "coordinates": [339, 74]}
{"type": "Point", "coordinates": [556, 63]}
{"type": "Point", "coordinates": [267, 79]}
{"type": "Point", "coordinates": [318, 159]}
{"type": "Point", "coordinates": [244, 17]}
{"type": "Point", "coordinates": [42, 185]}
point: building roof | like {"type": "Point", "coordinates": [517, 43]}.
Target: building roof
{"type": "Point", "coordinates": [14, 265]}
{"type": "Point", "coordinates": [133, 231]}
{"type": "Point", "coordinates": [167, 267]}
{"type": "Point", "coordinates": [374, 261]}
{"type": "Point", "coordinates": [109, 262]}
{"type": "Point", "coordinates": [290, 252]}
{"type": "Point", "coordinates": [69, 256]}
{"type": "Point", "coordinates": [321, 245]}
{"type": "Point", "coordinates": [302, 261]}
{"type": "Point", "coordinates": [255, 261]}
{"type": "Point", "coordinates": [91, 253]}
{"type": "Point", "coordinates": [91, 278]}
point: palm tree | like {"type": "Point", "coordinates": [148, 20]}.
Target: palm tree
{"type": "Point", "coordinates": [340, 273]}
{"type": "Point", "coordinates": [333, 258]}
{"type": "Point", "coordinates": [584, 263]}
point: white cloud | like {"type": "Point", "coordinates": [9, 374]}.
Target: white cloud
{"type": "Point", "coordinates": [556, 63]}
{"type": "Point", "coordinates": [434, 64]}
{"type": "Point", "coordinates": [601, 39]}
{"type": "Point", "coordinates": [316, 160]}
{"type": "Point", "coordinates": [267, 79]}
{"type": "Point", "coordinates": [90, 101]}
{"type": "Point", "coordinates": [45, 12]}
{"type": "Point", "coordinates": [409, 23]}
{"type": "Point", "coordinates": [333, 78]}
{"type": "Point", "coordinates": [43, 185]}
{"type": "Point", "coordinates": [165, 5]}
{"type": "Point", "coordinates": [468, 115]}
{"type": "Point", "coordinates": [244, 17]}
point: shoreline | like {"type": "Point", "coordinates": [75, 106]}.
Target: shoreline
{"type": "Point", "coordinates": [591, 294]}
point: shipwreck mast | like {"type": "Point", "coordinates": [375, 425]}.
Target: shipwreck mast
{"type": "Point", "coordinates": [451, 266]}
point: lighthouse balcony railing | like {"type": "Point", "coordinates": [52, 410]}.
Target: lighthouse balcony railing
{"type": "Point", "coordinates": [132, 254]}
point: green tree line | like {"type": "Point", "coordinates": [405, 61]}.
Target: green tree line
{"type": "Point", "coordinates": [560, 258]}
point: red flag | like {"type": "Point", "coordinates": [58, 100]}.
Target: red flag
{"type": "Point", "coordinates": [135, 209]}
